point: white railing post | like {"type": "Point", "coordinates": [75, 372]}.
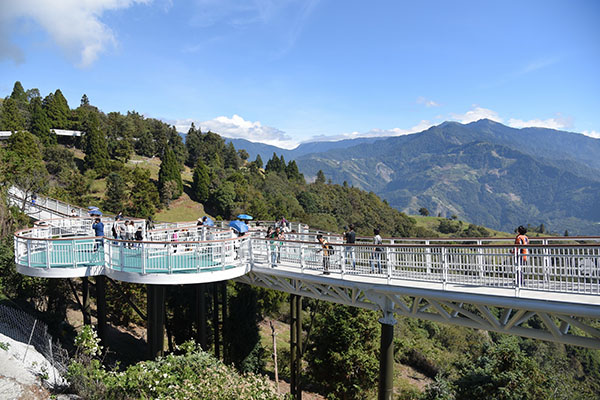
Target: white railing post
{"type": "Point", "coordinates": [546, 263]}
{"type": "Point", "coordinates": [302, 257]}
{"type": "Point", "coordinates": [428, 257]}
{"type": "Point", "coordinates": [169, 250]}
{"type": "Point", "coordinates": [143, 255]}
{"type": "Point", "coordinates": [121, 256]}
{"type": "Point", "coordinates": [388, 264]}
{"type": "Point", "coordinates": [48, 254]}
{"type": "Point", "coordinates": [73, 254]}
{"type": "Point", "coordinates": [445, 267]}
{"type": "Point", "coordinates": [480, 258]}
{"type": "Point", "coordinates": [250, 252]}
{"type": "Point", "coordinates": [29, 253]}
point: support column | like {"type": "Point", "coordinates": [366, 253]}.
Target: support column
{"type": "Point", "coordinates": [156, 320]}
{"type": "Point", "coordinates": [201, 315]}
{"type": "Point", "coordinates": [101, 308]}
{"type": "Point", "coordinates": [216, 320]}
{"type": "Point", "coordinates": [295, 345]}
{"type": "Point", "coordinates": [386, 357]}
{"type": "Point", "coordinates": [223, 286]}
{"type": "Point", "coordinates": [293, 333]}
{"type": "Point", "coordinates": [85, 301]}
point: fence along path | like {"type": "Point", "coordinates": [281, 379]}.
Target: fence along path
{"type": "Point", "coordinates": [560, 274]}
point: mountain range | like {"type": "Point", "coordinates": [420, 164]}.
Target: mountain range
{"type": "Point", "coordinates": [484, 172]}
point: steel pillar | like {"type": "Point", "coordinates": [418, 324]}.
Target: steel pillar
{"type": "Point", "coordinates": [223, 286]}
{"type": "Point", "coordinates": [156, 320]}
{"type": "Point", "coordinates": [101, 308]}
{"type": "Point", "coordinates": [386, 358]}
{"type": "Point", "coordinates": [295, 345]}
{"type": "Point", "coordinates": [216, 320]}
{"type": "Point", "coordinates": [85, 301]}
{"type": "Point", "coordinates": [201, 315]}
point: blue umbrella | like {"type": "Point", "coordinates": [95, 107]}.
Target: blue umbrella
{"type": "Point", "coordinates": [95, 212]}
{"type": "Point", "coordinates": [239, 226]}
{"type": "Point", "coordinates": [244, 216]}
{"type": "Point", "coordinates": [93, 208]}
{"type": "Point", "coordinates": [209, 222]}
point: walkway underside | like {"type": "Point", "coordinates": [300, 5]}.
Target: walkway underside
{"type": "Point", "coordinates": [530, 315]}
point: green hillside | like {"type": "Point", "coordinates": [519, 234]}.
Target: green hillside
{"type": "Point", "coordinates": [483, 172]}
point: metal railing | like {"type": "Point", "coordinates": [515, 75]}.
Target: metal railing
{"type": "Point", "coordinates": [566, 265]}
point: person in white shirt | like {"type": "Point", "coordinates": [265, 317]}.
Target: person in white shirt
{"type": "Point", "coordinates": [377, 252]}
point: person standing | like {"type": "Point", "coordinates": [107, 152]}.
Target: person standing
{"type": "Point", "coordinates": [73, 213]}
{"type": "Point", "coordinates": [327, 252]}
{"type": "Point", "coordinates": [350, 238]}
{"type": "Point", "coordinates": [521, 253]}
{"type": "Point", "coordinates": [376, 254]}
{"type": "Point", "coordinates": [130, 230]}
{"type": "Point", "coordinates": [98, 228]}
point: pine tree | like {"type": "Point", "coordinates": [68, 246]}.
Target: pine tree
{"type": "Point", "coordinates": [18, 94]}
{"type": "Point", "coordinates": [115, 192]}
{"type": "Point", "coordinates": [320, 177]}
{"type": "Point", "coordinates": [258, 161]}
{"type": "Point", "coordinates": [201, 182]}
{"type": "Point", "coordinates": [12, 119]}
{"type": "Point", "coordinates": [292, 171]}
{"type": "Point", "coordinates": [193, 143]}
{"type": "Point", "coordinates": [143, 197]}
{"type": "Point", "coordinates": [231, 159]}
{"type": "Point", "coordinates": [57, 110]}
{"type": "Point", "coordinates": [84, 100]}
{"type": "Point", "coordinates": [96, 150]}
{"type": "Point", "coordinates": [169, 172]}
{"type": "Point", "coordinates": [145, 145]}
{"type": "Point", "coordinates": [40, 125]}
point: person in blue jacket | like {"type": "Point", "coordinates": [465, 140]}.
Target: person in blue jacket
{"type": "Point", "coordinates": [98, 228]}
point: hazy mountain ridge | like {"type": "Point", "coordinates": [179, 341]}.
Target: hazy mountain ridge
{"type": "Point", "coordinates": [484, 172]}
{"type": "Point", "coordinates": [266, 151]}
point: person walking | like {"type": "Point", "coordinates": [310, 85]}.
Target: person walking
{"type": "Point", "coordinates": [98, 228]}
{"type": "Point", "coordinates": [521, 253]}
{"type": "Point", "coordinates": [376, 254]}
{"type": "Point", "coordinates": [327, 250]}
{"type": "Point", "coordinates": [273, 234]}
{"type": "Point", "coordinates": [350, 238]}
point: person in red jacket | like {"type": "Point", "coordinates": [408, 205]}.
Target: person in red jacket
{"type": "Point", "coordinates": [521, 253]}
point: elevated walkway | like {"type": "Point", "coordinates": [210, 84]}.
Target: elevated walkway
{"type": "Point", "coordinates": [470, 282]}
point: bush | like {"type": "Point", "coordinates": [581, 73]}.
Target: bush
{"type": "Point", "coordinates": [192, 375]}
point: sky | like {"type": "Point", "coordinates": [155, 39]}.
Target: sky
{"type": "Point", "coordinates": [287, 71]}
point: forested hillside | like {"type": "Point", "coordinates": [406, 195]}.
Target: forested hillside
{"type": "Point", "coordinates": [484, 172]}
{"type": "Point", "coordinates": [109, 165]}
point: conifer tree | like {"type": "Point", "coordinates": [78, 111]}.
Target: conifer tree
{"type": "Point", "coordinates": [143, 196]}
{"type": "Point", "coordinates": [193, 143]}
{"type": "Point", "coordinates": [96, 150]}
{"type": "Point", "coordinates": [169, 172]}
{"type": "Point", "coordinates": [12, 119]}
{"type": "Point", "coordinates": [201, 182]}
{"type": "Point", "coordinates": [57, 110]}
{"type": "Point", "coordinates": [40, 125]}
{"type": "Point", "coordinates": [258, 161]}
{"type": "Point", "coordinates": [115, 192]}
{"type": "Point", "coordinates": [231, 158]}
{"type": "Point", "coordinates": [320, 177]}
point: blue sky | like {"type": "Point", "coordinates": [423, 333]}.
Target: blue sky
{"type": "Point", "coordinates": [287, 71]}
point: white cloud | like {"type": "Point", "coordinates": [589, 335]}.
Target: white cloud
{"type": "Point", "coordinates": [550, 123]}
{"type": "Point", "coordinates": [476, 114]}
{"type": "Point", "coordinates": [592, 134]}
{"type": "Point", "coordinates": [426, 102]}
{"type": "Point", "coordinates": [238, 127]}
{"type": "Point", "coordinates": [74, 25]}
{"type": "Point", "coordinates": [421, 126]}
